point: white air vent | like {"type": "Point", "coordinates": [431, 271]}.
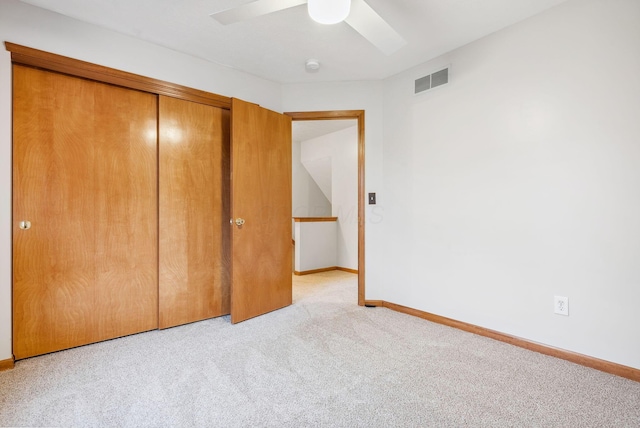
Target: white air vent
{"type": "Point", "coordinates": [431, 81]}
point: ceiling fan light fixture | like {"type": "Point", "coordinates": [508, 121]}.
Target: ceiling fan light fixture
{"type": "Point", "coordinates": [329, 11]}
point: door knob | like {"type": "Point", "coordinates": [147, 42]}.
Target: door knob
{"type": "Point", "coordinates": [24, 225]}
{"type": "Point", "coordinates": [239, 221]}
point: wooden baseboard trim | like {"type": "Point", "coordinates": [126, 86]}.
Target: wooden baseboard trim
{"type": "Point", "coordinates": [574, 357]}
{"type": "Point", "coordinates": [308, 272]}
{"type": "Point", "coordinates": [378, 303]}
{"type": "Point", "coordinates": [7, 364]}
{"type": "Point", "coordinates": [327, 269]}
{"type": "Point", "coordinates": [313, 219]}
{"type": "Point", "coordinates": [347, 270]}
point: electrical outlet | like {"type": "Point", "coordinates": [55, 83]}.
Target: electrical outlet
{"type": "Point", "coordinates": [561, 305]}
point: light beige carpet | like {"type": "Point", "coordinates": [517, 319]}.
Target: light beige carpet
{"type": "Point", "coordinates": [323, 361]}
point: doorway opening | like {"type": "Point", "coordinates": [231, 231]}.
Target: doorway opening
{"type": "Point", "coordinates": [349, 119]}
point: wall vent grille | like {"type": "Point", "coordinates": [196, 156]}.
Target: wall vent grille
{"type": "Point", "coordinates": [431, 81]}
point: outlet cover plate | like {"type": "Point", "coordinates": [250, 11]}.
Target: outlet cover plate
{"type": "Point", "coordinates": [561, 305]}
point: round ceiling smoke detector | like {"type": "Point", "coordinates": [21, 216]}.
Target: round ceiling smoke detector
{"type": "Point", "coordinates": [312, 65]}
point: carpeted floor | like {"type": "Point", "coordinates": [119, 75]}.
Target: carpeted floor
{"type": "Point", "coordinates": [323, 361]}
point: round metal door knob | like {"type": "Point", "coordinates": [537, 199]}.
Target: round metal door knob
{"type": "Point", "coordinates": [25, 225]}
{"type": "Point", "coordinates": [239, 221]}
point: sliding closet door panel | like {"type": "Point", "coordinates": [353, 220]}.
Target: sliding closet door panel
{"type": "Point", "coordinates": [193, 281]}
{"type": "Point", "coordinates": [125, 204]}
{"type": "Point", "coordinates": [83, 271]}
{"type": "Point", "coordinates": [53, 184]}
{"type": "Point", "coordinates": [261, 196]}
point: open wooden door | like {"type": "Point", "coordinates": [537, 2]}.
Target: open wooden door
{"type": "Point", "coordinates": [261, 210]}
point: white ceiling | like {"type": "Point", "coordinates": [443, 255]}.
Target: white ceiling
{"type": "Point", "coordinates": [277, 45]}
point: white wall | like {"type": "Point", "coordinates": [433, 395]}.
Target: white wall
{"type": "Point", "coordinates": [319, 170]}
{"type": "Point", "coordinates": [37, 28]}
{"type": "Point", "coordinates": [5, 205]}
{"type": "Point", "coordinates": [520, 180]}
{"type": "Point", "coordinates": [341, 148]}
{"type": "Point", "coordinates": [316, 244]}
{"type": "Point", "coordinates": [307, 198]}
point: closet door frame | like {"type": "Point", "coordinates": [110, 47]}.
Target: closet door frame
{"type": "Point", "coordinates": [48, 61]}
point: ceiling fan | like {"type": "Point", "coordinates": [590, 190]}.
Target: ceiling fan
{"type": "Point", "coordinates": [357, 13]}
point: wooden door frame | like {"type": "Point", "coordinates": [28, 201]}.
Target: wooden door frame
{"type": "Point", "coordinates": [345, 115]}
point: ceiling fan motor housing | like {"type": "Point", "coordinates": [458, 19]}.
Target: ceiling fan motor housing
{"type": "Point", "coordinates": [329, 11]}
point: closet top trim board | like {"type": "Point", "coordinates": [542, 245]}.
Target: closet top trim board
{"type": "Point", "coordinates": [36, 58]}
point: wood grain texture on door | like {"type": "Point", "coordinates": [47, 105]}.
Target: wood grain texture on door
{"type": "Point", "coordinates": [84, 176]}
{"type": "Point", "coordinates": [193, 211]}
{"type": "Point", "coordinates": [261, 195]}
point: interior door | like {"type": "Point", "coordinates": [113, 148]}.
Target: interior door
{"type": "Point", "coordinates": [261, 210]}
{"type": "Point", "coordinates": [84, 212]}
{"type": "Point", "coordinates": [193, 211]}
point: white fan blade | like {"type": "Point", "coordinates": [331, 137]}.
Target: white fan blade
{"type": "Point", "coordinates": [372, 27]}
{"type": "Point", "coordinates": [253, 10]}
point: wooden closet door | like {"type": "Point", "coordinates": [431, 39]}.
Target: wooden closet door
{"type": "Point", "coordinates": [261, 196]}
{"type": "Point", "coordinates": [194, 211]}
{"type": "Point", "coordinates": [84, 176]}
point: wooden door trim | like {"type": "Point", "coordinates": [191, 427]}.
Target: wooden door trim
{"type": "Point", "coordinates": [48, 61]}
{"type": "Point", "coordinates": [359, 116]}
